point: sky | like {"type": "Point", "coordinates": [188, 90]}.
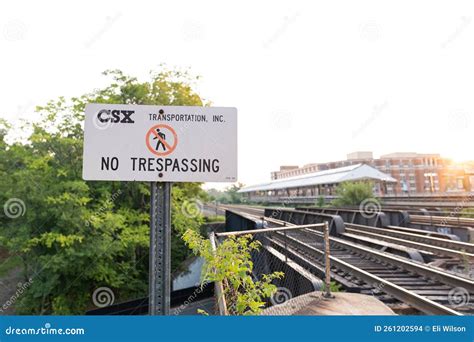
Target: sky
{"type": "Point", "coordinates": [312, 80]}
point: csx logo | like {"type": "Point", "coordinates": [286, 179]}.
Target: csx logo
{"type": "Point", "coordinates": [115, 116]}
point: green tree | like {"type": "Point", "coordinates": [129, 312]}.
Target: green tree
{"type": "Point", "coordinates": [75, 236]}
{"type": "Point", "coordinates": [233, 192]}
{"type": "Point", "coordinates": [230, 195]}
{"type": "Point", "coordinates": [353, 193]}
{"type": "Point", "coordinates": [320, 202]}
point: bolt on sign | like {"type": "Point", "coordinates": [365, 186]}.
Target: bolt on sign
{"type": "Point", "coordinates": [160, 143]}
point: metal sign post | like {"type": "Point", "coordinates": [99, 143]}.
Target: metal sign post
{"type": "Point", "coordinates": [160, 248]}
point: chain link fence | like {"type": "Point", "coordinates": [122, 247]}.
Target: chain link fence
{"type": "Point", "coordinates": [294, 290]}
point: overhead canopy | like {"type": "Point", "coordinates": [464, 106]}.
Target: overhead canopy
{"type": "Point", "coordinates": [357, 172]}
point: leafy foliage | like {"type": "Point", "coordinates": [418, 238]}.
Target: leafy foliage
{"type": "Point", "coordinates": [466, 212]}
{"type": "Point", "coordinates": [229, 196]}
{"type": "Point", "coordinates": [232, 265]}
{"type": "Point", "coordinates": [333, 286]}
{"type": "Point", "coordinates": [320, 202]}
{"type": "Point", "coordinates": [76, 236]}
{"type": "Point", "coordinates": [353, 193]}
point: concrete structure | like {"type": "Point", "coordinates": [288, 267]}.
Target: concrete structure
{"type": "Point", "coordinates": [320, 183]}
{"type": "Point", "coordinates": [415, 173]}
{"type": "Point", "coordinates": [314, 304]}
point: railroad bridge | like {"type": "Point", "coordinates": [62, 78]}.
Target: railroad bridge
{"type": "Point", "coordinates": [412, 263]}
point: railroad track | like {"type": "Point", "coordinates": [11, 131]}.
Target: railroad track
{"type": "Point", "coordinates": [430, 211]}
{"type": "Point", "coordinates": [433, 246]}
{"type": "Point", "coordinates": [394, 280]}
{"type": "Point", "coordinates": [443, 220]}
{"type": "Point", "coordinates": [244, 208]}
{"type": "Point", "coordinates": [438, 244]}
{"type": "Point", "coordinates": [410, 238]}
{"type": "Point", "coordinates": [449, 201]}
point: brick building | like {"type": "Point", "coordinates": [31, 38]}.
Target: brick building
{"type": "Point", "coordinates": [415, 172]}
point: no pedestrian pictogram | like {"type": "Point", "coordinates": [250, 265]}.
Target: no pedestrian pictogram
{"type": "Point", "coordinates": [161, 140]}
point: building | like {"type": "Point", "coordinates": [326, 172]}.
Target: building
{"type": "Point", "coordinates": [283, 170]}
{"type": "Point", "coordinates": [319, 183]}
{"type": "Point", "coordinates": [415, 173]}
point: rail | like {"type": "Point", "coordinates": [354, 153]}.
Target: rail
{"type": "Point", "coordinates": [421, 303]}
{"type": "Point", "coordinates": [268, 230]}
{"type": "Point", "coordinates": [444, 220]}
{"type": "Point", "coordinates": [219, 287]}
{"type": "Point", "coordinates": [459, 251]}
{"type": "Point", "coordinates": [405, 295]}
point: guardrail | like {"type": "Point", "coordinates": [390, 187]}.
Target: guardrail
{"type": "Point", "coordinates": [296, 279]}
{"type": "Point", "coordinates": [462, 227]}
{"type": "Point", "coordinates": [299, 217]}
{"type": "Point", "coordinates": [357, 216]}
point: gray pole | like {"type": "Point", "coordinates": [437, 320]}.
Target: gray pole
{"type": "Point", "coordinates": [160, 248]}
{"type": "Point", "coordinates": [327, 261]}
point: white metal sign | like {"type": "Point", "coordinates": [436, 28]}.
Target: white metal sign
{"type": "Point", "coordinates": [160, 143]}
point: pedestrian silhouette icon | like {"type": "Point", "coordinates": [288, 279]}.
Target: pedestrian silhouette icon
{"type": "Point", "coordinates": [160, 141]}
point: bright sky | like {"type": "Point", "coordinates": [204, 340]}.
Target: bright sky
{"type": "Point", "coordinates": [312, 81]}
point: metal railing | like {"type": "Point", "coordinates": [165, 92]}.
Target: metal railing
{"type": "Point", "coordinates": [220, 290]}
